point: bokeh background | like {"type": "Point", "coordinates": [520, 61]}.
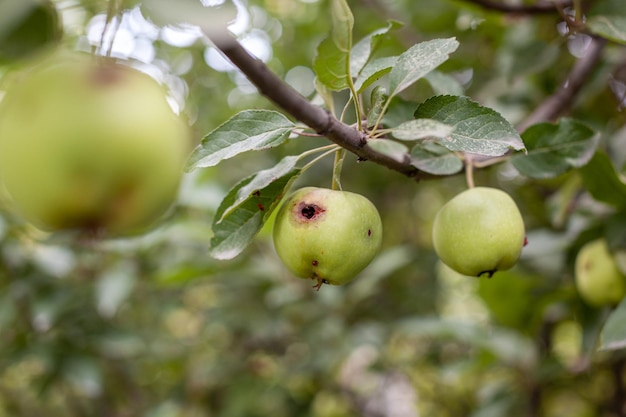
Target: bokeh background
{"type": "Point", "coordinates": [151, 326]}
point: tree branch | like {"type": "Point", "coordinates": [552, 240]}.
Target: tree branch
{"type": "Point", "coordinates": [562, 99]}
{"type": "Point", "coordinates": [537, 8]}
{"type": "Point", "coordinates": [300, 108]}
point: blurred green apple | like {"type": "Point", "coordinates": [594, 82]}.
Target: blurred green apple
{"type": "Point", "coordinates": [479, 232]}
{"type": "Point", "coordinates": [598, 280]}
{"type": "Point", "coordinates": [327, 235]}
{"type": "Point", "coordinates": [89, 143]}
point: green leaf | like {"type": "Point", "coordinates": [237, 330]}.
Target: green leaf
{"type": "Point", "coordinates": [435, 159]}
{"type": "Point", "coordinates": [603, 182]}
{"type": "Point", "coordinates": [331, 66]}
{"type": "Point", "coordinates": [613, 335]}
{"type": "Point", "coordinates": [373, 71]}
{"type": "Point", "coordinates": [249, 130]}
{"type": "Point", "coordinates": [392, 149]}
{"type": "Point", "coordinates": [259, 181]}
{"type": "Point", "coordinates": [477, 129]}
{"type": "Point", "coordinates": [607, 18]}
{"type": "Point", "coordinates": [615, 231]}
{"type": "Point", "coordinates": [332, 61]}
{"type": "Point", "coordinates": [362, 51]}
{"type": "Point", "coordinates": [421, 129]}
{"type": "Point", "coordinates": [612, 27]}
{"type": "Point", "coordinates": [444, 84]}
{"type": "Point", "coordinates": [554, 149]}
{"type": "Point", "coordinates": [377, 101]}
{"type": "Point", "coordinates": [418, 61]}
{"type": "Point", "coordinates": [236, 224]}
{"type": "Point", "coordinates": [342, 24]}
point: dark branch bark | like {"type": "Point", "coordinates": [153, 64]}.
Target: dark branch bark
{"type": "Point", "coordinates": [355, 141]}
{"type": "Point", "coordinates": [562, 99]}
{"type": "Point", "coordinates": [537, 8]}
{"type": "Point", "coordinates": [300, 108]}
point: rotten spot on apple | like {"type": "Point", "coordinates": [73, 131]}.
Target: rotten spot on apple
{"type": "Point", "coordinates": [310, 211]}
{"type": "Point", "coordinates": [326, 235]}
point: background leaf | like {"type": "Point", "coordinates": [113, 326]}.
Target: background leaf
{"type": "Point", "coordinates": [608, 18]}
{"type": "Point", "coordinates": [603, 182]}
{"type": "Point", "coordinates": [477, 129]}
{"type": "Point", "coordinates": [613, 335]}
{"type": "Point", "coordinates": [435, 159]}
{"type": "Point", "coordinates": [611, 27]}
{"type": "Point", "coordinates": [418, 61]}
{"type": "Point", "coordinates": [555, 148]}
{"type": "Point", "coordinates": [444, 84]}
{"type": "Point", "coordinates": [246, 131]}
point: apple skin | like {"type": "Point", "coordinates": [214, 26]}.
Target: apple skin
{"type": "Point", "coordinates": [598, 279]}
{"type": "Point", "coordinates": [89, 143]}
{"type": "Point", "coordinates": [479, 232]}
{"type": "Point", "coordinates": [327, 235]}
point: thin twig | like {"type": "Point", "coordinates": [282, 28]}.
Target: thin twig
{"type": "Point", "coordinates": [562, 99]}
{"type": "Point", "coordinates": [516, 8]}
{"type": "Point", "coordinates": [318, 119]}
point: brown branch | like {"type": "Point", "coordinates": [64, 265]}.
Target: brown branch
{"type": "Point", "coordinates": [619, 403]}
{"type": "Point", "coordinates": [537, 8]}
{"type": "Point", "coordinates": [562, 99]}
{"type": "Point", "coordinates": [318, 119]}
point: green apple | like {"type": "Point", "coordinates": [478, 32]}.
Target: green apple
{"type": "Point", "coordinates": [479, 232]}
{"type": "Point", "coordinates": [327, 235]}
{"type": "Point", "coordinates": [598, 279]}
{"type": "Point", "coordinates": [89, 143]}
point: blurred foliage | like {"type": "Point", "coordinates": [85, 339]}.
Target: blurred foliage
{"type": "Point", "coordinates": [153, 327]}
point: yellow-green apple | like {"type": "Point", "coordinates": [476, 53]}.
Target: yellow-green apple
{"type": "Point", "coordinates": [327, 235]}
{"type": "Point", "coordinates": [598, 279]}
{"type": "Point", "coordinates": [89, 143]}
{"type": "Point", "coordinates": [479, 232]}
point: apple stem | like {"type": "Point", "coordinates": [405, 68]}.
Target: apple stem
{"type": "Point", "coordinates": [319, 283]}
{"type": "Point", "coordinates": [337, 167]}
{"type": "Point", "coordinates": [113, 11]}
{"type": "Point", "coordinates": [317, 159]}
{"type": "Point", "coordinates": [469, 171]}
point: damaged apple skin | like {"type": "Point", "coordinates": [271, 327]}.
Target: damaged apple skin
{"type": "Point", "coordinates": [327, 235]}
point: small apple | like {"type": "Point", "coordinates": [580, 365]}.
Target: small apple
{"type": "Point", "coordinates": [327, 235]}
{"type": "Point", "coordinates": [89, 143]}
{"type": "Point", "coordinates": [479, 232]}
{"type": "Point", "coordinates": [598, 280]}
